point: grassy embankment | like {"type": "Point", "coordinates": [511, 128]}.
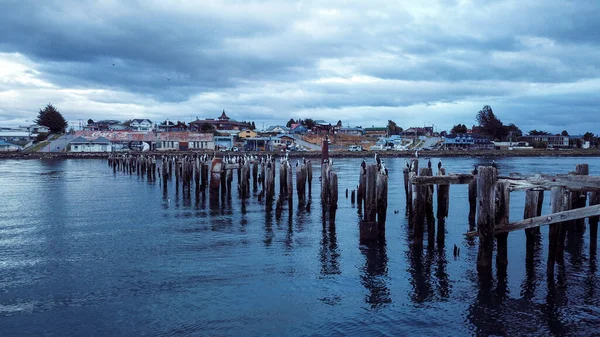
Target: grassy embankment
{"type": "Point", "coordinates": [40, 145]}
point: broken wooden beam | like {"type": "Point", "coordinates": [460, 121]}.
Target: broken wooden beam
{"type": "Point", "coordinates": [543, 220]}
{"type": "Point", "coordinates": [546, 182]}
{"type": "Point", "coordinates": [462, 178]}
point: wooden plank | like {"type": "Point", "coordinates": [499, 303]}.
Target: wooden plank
{"type": "Point", "coordinates": [442, 180]}
{"type": "Point", "coordinates": [546, 182]}
{"type": "Point", "coordinates": [543, 220]}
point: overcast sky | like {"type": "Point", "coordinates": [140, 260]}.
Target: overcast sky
{"type": "Point", "coordinates": [535, 62]}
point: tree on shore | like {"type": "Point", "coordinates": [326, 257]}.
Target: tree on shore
{"type": "Point", "coordinates": [564, 133]}
{"type": "Point", "coordinates": [290, 122]}
{"type": "Point", "coordinates": [538, 133]}
{"type": "Point", "coordinates": [458, 129]}
{"type": "Point", "coordinates": [252, 126]}
{"type": "Point", "coordinates": [51, 118]}
{"type": "Point", "coordinates": [90, 121]}
{"type": "Point", "coordinates": [309, 123]}
{"type": "Point", "coordinates": [489, 123]}
{"type": "Point", "coordinates": [393, 128]}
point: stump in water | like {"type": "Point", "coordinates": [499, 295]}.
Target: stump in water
{"type": "Point", "coordinates": [558, 200]}
{"type": "Point", "coordinates": [533, 207]}
{"type": "Point", "coordinates": [502, 219]}
{"type": "Point", "coordinates": [486, 217]}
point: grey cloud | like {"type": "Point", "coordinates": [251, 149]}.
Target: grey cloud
{"type": "Point", "coordinates": [265, 59]}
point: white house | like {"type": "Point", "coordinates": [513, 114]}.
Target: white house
{"type": "Point", "coordinates": [99, 144]}
{"type": "Point", "coordinates": [15, 136]}
{"type": "Point", "coordinates": [141, 125]}
{"type": "Point", "coordinates": [8, 147]}
{"type": "Point", "coordinates": [278, 129]}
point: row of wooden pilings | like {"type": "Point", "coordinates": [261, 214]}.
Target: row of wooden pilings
{"type": "Point", "coordinates": [372, 200]}
{"type": "Point", "coordinates": [489, 204]}
{"type": "Point", "coordinates": [216, 174]}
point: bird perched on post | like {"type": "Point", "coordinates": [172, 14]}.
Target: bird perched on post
{"type": "Point", "coordinates": [407, 164]}
{"type": "Point", "coordinates": [382, 169]}
{"type": "Point", "coordinates": [475, 170]}
{"type": "Point", "coordinates": [417, 153]}
{"type": "Point", "coordinates": [440, 165]}
{"type": "Point", "coordinates": [494, 164]}
{"type": "Point", "coordinates": [429, 163]}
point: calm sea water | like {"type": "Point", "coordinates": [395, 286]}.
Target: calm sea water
{"type": "Point", "coordinates": [86, 252]}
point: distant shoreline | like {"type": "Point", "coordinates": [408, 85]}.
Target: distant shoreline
{"type": "Point", "coordinates": [333, 154]}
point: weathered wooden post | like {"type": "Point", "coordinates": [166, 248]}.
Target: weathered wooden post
{"type": "Point", "coordinates": [443, 203]}
{"type": "Point", "coordinates": [594, 200]}
{"type": "Point", "coordinates": [533, 207]}
{"type": "Point", "coordinates": [382, 202]}
{"type": "Point", "coordinates": [558, 200]}
{"type": "Point", "coordinates": [417, 214]}
{"type": "Point", "coordinates": [333, 195]}
{"type": "Point", "coordinates": [472, 200]}
{"type": "Point", "coordinates": [362, 185]}
{"type": "Point", "coordinates": [325, 183]}
{"type": "Point", "coordinates": [443, 200]}
{"type": "Point", "coordinates": [215, 175]}
{"type": "Point", "coordinates": [269, 182]}
{"type": "Point", "coordinates": [502, 219]}
{"type": "Point", "coordinates": [282, 178]}
{"type": "Point", "coordinates": [255, 176]}
{"type": "Point", "coordinates": [301, 181]}
{"type": "Point", "coordinates": [309, 176]}
{"type": "Point", "coordinates": [290, 186]}
{"type": "Point", "coordinates": [368, 226]}
{"type": "Point", "coordinates": [371, 194]}
{"type": "Point", "coordinates": [407, 187]}
{"type": "Point", "coordinates": [579, 199]}
{"type": "Point", "coordinates": [353, 197]}
{"type": "Point", "coordinates": [325, 151]}
{"type": "Point", "coordinates": [428, 198]}
{"type": "Point", "coordinates": [486, 181]}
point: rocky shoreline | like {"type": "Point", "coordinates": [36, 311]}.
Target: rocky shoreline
{"type": "Point", "coordinates": [336, 154]}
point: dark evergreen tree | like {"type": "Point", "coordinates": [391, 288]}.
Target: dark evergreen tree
{"type": "Point", "coordinates": [51, 118]}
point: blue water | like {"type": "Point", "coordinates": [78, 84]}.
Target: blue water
{"type": "Point", "coordinates": [87, 252]}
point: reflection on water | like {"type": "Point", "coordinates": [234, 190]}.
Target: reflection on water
{"type": "Point", "coordinates": [139, 257]}
{"type": "Point", "coordinates": [374, 274]}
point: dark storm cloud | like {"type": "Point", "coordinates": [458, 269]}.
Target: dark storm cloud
{"type": "Point", "coordinates": [266, 58]}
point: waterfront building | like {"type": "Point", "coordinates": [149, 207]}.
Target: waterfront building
{"type": "Point", "coordinates": [221, 123]}
{"type": "Point", "coordinates": [81, 144]}
{"type": "Point", "coordinates": [467, 141]}
{"type": "Point", "coordinates": [9, 147]}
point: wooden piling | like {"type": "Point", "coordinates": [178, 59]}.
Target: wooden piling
{"type": "Point", "coordinates": [255, 176]}
{"type": "Point", "coordinates": [382, 202]}
{"type": "Point", "coordinates": [325, 151]}
{"type": "Point", "coordinates": [309, 176]}
{"type": "Point", "coordinates": [405, 176]}
{"type": "Point", "coordinates": [362, 186]}
{"type": "Point", "coordinates": [533, 202]}
{"type": "Point", "coordinates": [558, 201]}
{"type": "Point", "coordinates": [593, 221]}
{"type": "Point", "coordinates": [502, 211]}
{"type": "Point", "coordinates": [215, 175]}
{"type": "Point", "coordinates": [579, 199]}
{"type": "Point", "coordinates": [472, 200]}
{"type": "Point", "coordinates": [486, 181]}
{"type": "Point", "coordinates": [289, 186]}
{"type": "Point", "coordinates": [333, 193]}
{"type": "Point", "coordinates": [443, 198]}
{"type": "Point", "coordinates": [370, 211]}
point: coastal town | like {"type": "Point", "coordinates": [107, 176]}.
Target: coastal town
{"type": "Point", "coordinates": [223, 133]}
